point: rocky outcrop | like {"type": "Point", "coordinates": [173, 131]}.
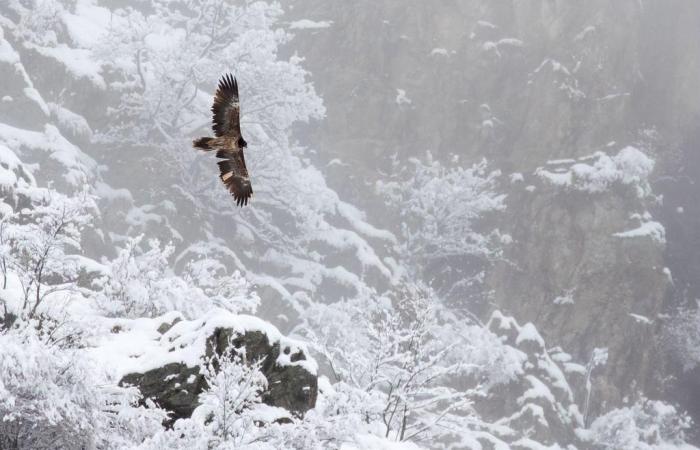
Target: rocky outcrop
{"type": "Point", "coordinates": [179, 346]}
{"type": "Point", "coordinates": [540, 404]}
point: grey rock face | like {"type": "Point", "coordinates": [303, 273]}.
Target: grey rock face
{"type": "Point", "coordinates": [176, 387]}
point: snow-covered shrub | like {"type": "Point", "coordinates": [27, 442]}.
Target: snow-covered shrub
{"type": "Point", "coordinates": [234, 389]}
{"type": "Point", "coordinates": [397, 375]}
{"type": "Point", "coordinates": [42, 243]}
{"type": "Point", "coordinates": [44, 398]}
{"type": "Point", "coordinates": [443, 210]}
{"type": "Point", "coordinates": [646, 425]}
{"type": "Point", "coordinates": [232, 415]}
{"type": "Point", "coordinates": [440, 205]}
{"type": "Point", "coordinates": [233, 292]}
{"type": "Point", "coordinates": [54, 398]}
{"type": "Point", "coordinates": [141, 283]}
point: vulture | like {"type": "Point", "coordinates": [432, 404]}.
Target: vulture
{"type": "Point", "coordinates": [228, 141]}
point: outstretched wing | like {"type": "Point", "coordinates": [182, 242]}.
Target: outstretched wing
{"type": "Point", "coordinates": [234, 174]}
{"type": "Point", "coordinates": [226, 109]}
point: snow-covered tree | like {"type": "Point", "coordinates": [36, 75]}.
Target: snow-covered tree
{"type": "Point", "coordinates": [42, 242]}
{"type": "Point", "coordinates": [406, 354]}
{"type": "Point", "coordinates": [234, 389]}
{"type": "Point", "coordinates": [441, 209]}
{"type": "Point", "coordinates": [141, 283]}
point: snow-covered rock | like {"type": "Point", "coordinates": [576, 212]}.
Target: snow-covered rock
{"type": "Point", "coordinates": [163, 356]}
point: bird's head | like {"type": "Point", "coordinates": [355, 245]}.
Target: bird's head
{"type": "Point", "coordinates": [242, 143]}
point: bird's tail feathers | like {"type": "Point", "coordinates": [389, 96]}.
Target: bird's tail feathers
{"type": "Point", "coordinates": [203, 143]}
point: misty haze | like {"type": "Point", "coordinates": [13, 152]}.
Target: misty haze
{"type": "Point", "coordinates": [349, 224]}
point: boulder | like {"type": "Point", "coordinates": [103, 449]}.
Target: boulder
{"type": "Point", "coordinates": [175, 384]}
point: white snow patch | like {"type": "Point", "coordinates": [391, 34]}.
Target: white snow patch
{"type": "Point", "coordinates": [70, 121]}
{"type": "Point", "coordinates": [586, 31]}
{"type": "Point", "coordinates": [78, 165]}
{"type": "Point", "coordinates": [306, 24]}
{"type": "Point", "coordinates": [139, 347]}
{"type": "Point", "coordinates": [516, 177]}
{"type": "Point", "coordinates": [667, 271]}
{"type": "Point", "coordinates": [486, 24]}
{"type": "Point", "coordinates": [651, 229]}
{"type": "Point", "coordinates": [107, 192]}
{"type": "Point", "coordinates": [557, 162]}
{"type": "Point", "coordinates": [9, 165]}
{"type": "Point", "coordinates": [402, 98]}
{"type": "Point", "coordinates": [538, 390]}
{"type": "Point", "coordinates": [89, 23]}
{"type": "Point", "coordinates": [640, 319]}
{"type": "Point", "coordinates": [510, 42]}
{"type": "Point", "coordinates": [358, 220]}
{"type": "Point", "coordinates": [567, 298]}
{"type": "Point", "coordinates": [336, 162]}
{"type": "Point", "coordinates": [33, 95]}
{"type": "Point", "coordinates": [78, 61]}
{"type": "Point", "coordinates": [7, 53]}
{"type": "Point", "coordinates": [598, 172]}
{"type": "Point", "coordinates": [528, 333]}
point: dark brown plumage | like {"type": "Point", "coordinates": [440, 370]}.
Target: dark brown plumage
{"type": "Point", "coordinates": [229, 142]}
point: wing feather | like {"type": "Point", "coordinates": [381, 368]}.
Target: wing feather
{"type": "Point", "coordinates": [234, 175]}
{"type": "Point", "coordinates": [226, 108]}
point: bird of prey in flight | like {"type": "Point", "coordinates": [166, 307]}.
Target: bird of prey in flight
{"type": "Point", "coordinates": [228, 142]}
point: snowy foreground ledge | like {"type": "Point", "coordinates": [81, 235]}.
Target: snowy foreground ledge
{"type": "Point", "coordinates": [162, 357]}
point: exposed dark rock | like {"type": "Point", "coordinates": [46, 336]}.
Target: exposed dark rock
{"type": "Point", "coordinates": [7, 320]}
{"type": "Point", "coordinates": [289, 387]}
{"type": "Point", "coordinates": [166, 326]}
{"type": "Point", "coordinates": [176, 387]}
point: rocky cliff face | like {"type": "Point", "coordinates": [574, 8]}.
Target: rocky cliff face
{"type": "Point", "coordinates": [524, 84]}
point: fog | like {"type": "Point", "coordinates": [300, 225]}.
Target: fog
{"type": "Point", "coordinates": [474, 225]}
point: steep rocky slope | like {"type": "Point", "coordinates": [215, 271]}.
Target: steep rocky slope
{"type": "Point", "coordinates": [523, 84]}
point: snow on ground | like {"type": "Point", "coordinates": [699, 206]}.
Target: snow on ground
{"type": "Point", "coordinates": [89, 22]}
{"type": "Point", "coordinates": [70, 121]}
{"type": "Point", "coordinates": [135, 345]}
{"type": "Point", "coordinates": [10, 165]}
{"type": "Point", "coordinates": [77, 164]}
{"type": "Point", "coordinates": [7, 53]}
{"type": "Point", "coordinates": [78, 61]}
